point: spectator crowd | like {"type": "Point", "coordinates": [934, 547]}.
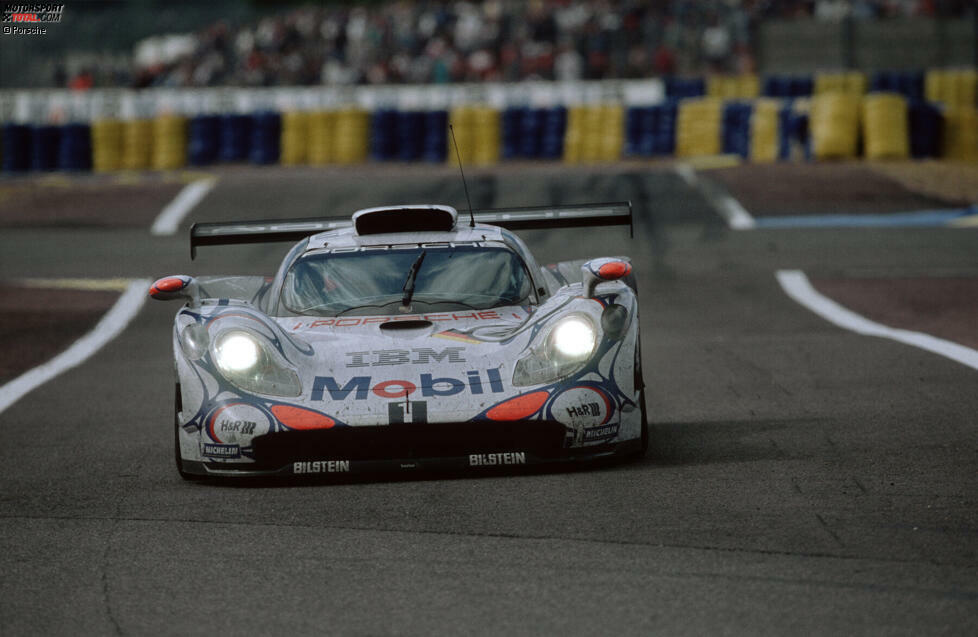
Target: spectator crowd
{"type": "Point", "coordinates": [427, 41]}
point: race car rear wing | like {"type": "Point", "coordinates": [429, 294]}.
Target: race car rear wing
{"type": "Point", "coordinates": [530, 218]}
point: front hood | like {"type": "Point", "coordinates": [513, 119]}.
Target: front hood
{"type": "Point", "coordinates": [460, 363]}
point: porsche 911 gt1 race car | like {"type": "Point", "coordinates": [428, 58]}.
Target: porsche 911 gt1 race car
{"type": "Point", "coordinates": [405, 339]}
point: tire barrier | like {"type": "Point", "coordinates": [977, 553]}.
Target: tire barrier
{"type": "Point", "coordinates": [477, 131]}
{"type": "Point", "coordinates": [235, 137]}
{"type": "Point", "coordinates": [137, 144]}
{"type": "Point", "coordinates": [322, 129]}
{"type": "Point", "coordinates": [736, 136]}
{"type": "Point", "coordinates": [16, 150]}
{"type": "Point", "coordinates": [764, 131]}
{"type": "Point", "coordinates": [383, 134]}
{"type": "Point", "coordinates": [699, 127]}
{"type": "Point", "coordinates": [594, 133]}
{"type": "Point", "coordinates": [169, 142]}
{"type": "Point", "coordinates": [204, 143]}
{"type": "Point", "coordinates": [684, 87]}
{"type": "Point", "coordinates": [904, 117]}
{"type": "Point", "coordinates": [952, 87]}
{"type": "Point", "coordinates": [885, 126]}
{"type": "Point", "coordinates": [106, 145]}
{"type": "Point", "coordinates": [834, 123]}
{"type": "Point", "coordinates": [852, 82]}
{"type": "Point", "coordinates": [266, 132]}
{"type": "Point", "coordinates": [910, 84]}
{"type": "Point", "coordinates": [925, 129]}
{"type": "Point", "coordinates": [960, 139]}
{"type": "Point", "coordinates": [352, 134]}
{"type": "Point", "coordinates": [45, 141]}
{"type": "Point", "coordinates": [409, 135]}
{"type": "Point", "coordinates": [533, 133]}
{"type": "Point", "coordinates": [75, 147]}
{"type": "Point", "coordinates": [294, 141]}
{"type": "Point", "coordinates": [746, 86]}
{"type": "Point", "coordinates": [788, 86]}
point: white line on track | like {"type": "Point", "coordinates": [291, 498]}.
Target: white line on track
{"type": "Point", "coordinates": [797, 286]}
{"type": "Point", "coordinates": [729, 208]}
{"type": "Point", "coordinates": [110, 326]}
{"type": "Point", "coordinates": [169, 219]}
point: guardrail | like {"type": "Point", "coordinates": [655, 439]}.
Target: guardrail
{"type": "Point", "coordinates": [821, 116]}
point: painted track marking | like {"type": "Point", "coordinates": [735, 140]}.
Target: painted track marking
{"type": "Point", "coordinates": [110, 326]}
{"type": "Point", "coordinates": [798, 287]}
{"type": "Point", "coordinates": [729, 208]}
{"type": "Point", "coordinates": [169, 219]}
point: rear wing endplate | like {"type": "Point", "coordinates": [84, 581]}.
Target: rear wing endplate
{"type": "Point", "coordinates": [531, 218]}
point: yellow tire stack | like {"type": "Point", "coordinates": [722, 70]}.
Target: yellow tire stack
{"type": "Point", "coordinates": [764, 131]}
{"type": "Point", "coordinates": [322, 132]}
{"type": "Point", "coordinates": [961, 133]}
{"type": "Point", "coordinates": [834, 125]}
{"type": "Point", "coordinates": [295, 138]}
{"type": "Point", "coordinates": [477, 134]}
{"type": "Point", "coordinates": [951, 87]}
{"type": "Point", "coordinates": [137, 144]}
{"type": "Point", "coordinates": [352, 135]}
{"type": "Point", "coordinates": [106, 145]}
{"type": "Point", "coordinates": [886, 131]}
{"type": "Point", "coordinates": [574, 134]}
{"type": "Point", "coordinates": [610, 137]}
{"type": "Point", "coordinates": [486, 121]}
{"type": "Point", "coordinates": [852, 82]}
{"type": "Point", "coordinates": [744, 86]}
{"type": "Point", "coordinates": [698, 127]}
{"type": "Point", "coordinates": [169, 142]}
{"type": "Point", "coordinates": [462, 121]}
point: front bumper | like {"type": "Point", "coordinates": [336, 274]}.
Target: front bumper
{"type": "Point", "coordinates": [410, 448]}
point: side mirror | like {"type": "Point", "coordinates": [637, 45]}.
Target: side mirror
{"type": "Point", "coordinates": [171, 288]}
{"type": "Point", "coordinates": [598, 271]}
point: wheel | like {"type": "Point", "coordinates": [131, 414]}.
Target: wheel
{"type": "Point", "coordinates": [177, 406]}
{"type": "Point", "coordinates": [640, 383]}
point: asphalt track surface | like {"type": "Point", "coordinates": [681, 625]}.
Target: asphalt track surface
{"type": "Point", "coordinates": [802, 478]}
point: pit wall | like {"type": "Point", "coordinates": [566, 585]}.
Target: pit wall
{"type": "Point", "coordinates": [824, 116]}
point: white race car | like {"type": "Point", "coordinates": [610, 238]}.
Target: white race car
{"type": "Point", "coordinates": [405, 339]}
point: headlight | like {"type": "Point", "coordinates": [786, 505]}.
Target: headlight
{"type": "Point", "coordinates": [573, 338]}
{"type": "Point", "coordinates": [237, 352]}
{"type": "Point", "coordinates": [248, 362]}
{"type": "Point", "coordinates": [566, 349]}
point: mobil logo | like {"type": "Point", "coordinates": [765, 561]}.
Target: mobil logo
{"type": "Point", "coordinates": [429, 385]}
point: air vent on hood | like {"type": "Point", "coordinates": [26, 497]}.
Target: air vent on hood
{"type": "Point", "coordinates": [396, 326]}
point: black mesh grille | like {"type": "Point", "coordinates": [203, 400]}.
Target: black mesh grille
{"type": "Point", "coordinates": [409, 440]}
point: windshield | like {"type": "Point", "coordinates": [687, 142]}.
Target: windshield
{"type": "Point", "coordinates": [372, 281]}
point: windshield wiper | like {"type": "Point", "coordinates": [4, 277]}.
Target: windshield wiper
{"type": "Point", "coordinates": [408, 288]}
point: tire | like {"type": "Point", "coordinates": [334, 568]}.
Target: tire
{"type": "Point", "coordinates": [190, 477]}
{"type": "Point", "coordinates": [640, 382]}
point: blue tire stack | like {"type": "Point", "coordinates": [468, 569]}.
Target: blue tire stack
{"type": "Point", "coordinates": [266, 132]}
{"type": "Point", "coordinates": [552, 130]}
{"type": "Point", "coordinates": [16, 155]}
{"type": "Point", "coordinates": [434, 146]}
{"type": "Point", "coordinates": [409, 135]}
{"type": "Point", "coordinates": [235, 138]}
{"type": "Point", "coordinates": [203, 147]}
{"type": "Point", "coordinates": [45, 144]}
{"type": "Point", "coordinates": [925, 123]}
{"type": "Point", "coordinates": [682, 87]}
{"type": "Point", "coordinates": [383, 134]}
{"type": "Point", "coordinates": [736, 127]}
{"type": "Point", "coordinates": [75, 148]}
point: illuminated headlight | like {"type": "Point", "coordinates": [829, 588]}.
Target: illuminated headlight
{"type": "Point", "coordinates": [248, 362]}
{"type": "Point", "coordinates": [237, 352]}
{"type": "Point", "coordinates": [573, 338]}
{"type": "Point", "coordinates": [567, 348]}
